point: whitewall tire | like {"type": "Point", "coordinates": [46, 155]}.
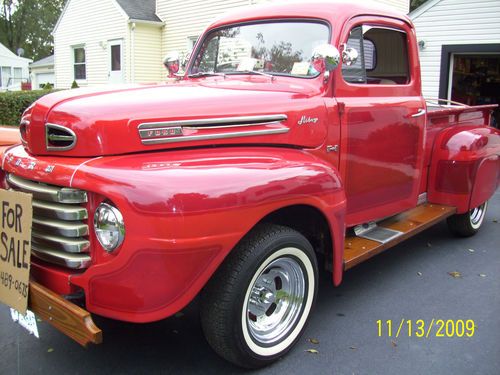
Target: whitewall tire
{"type": "Point", "coordinates": [257, 304]}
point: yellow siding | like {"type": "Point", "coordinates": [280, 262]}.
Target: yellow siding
{"type": "Point", "coordinates": [401, 5]}
{"type": "Point", "coordinates": [186, 19]}
{"type": "Point", "coordinates": [91, 23]}
{"type": "Point", "coordinates": [147, 60]}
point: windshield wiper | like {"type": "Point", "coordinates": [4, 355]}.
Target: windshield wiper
{"type": "Point", "coordinates": [253, 72]}
{"type": "Point", "coordinates": [205, 74]}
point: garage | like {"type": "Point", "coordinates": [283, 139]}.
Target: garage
{"type": "Point", "coordinates": [459, 44]}
{"type": "Point", "coordinates": [42, 73]}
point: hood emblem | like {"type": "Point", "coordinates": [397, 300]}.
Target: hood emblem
{"type": "Point", "coordinates": [207, 129]}
{"type": "Point", "coordinates": [59, 138]}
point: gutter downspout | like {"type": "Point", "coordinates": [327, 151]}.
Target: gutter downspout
{"type": "Point", "coordinates": [132, 52]}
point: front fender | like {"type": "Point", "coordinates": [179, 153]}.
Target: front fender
{"type": "Point", "coordinates": [185, 210]}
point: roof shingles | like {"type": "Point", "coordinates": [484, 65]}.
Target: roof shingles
{"type": "Point", "coordinates": [140, 9]}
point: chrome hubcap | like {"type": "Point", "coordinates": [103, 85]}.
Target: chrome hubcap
{"type": "Point", "coordinates": [477, 215]}
{"type": "Point", "coordinates": [275, 301]}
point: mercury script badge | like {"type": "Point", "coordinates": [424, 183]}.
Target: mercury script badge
{"type": "Point", "coordinates": [304, 120]}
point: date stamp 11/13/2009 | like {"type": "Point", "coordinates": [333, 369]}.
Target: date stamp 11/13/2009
{"type": "Point", "coordinates": [425, 329]}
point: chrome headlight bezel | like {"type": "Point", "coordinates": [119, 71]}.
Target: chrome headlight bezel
{"type": "Point", "coordinates": [108, 218]}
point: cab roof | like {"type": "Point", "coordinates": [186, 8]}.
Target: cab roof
{"type": "Point", "coordinates": [331, 10]}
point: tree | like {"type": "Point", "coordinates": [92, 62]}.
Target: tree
{"type": "Point", "coordinates": [28, 24]}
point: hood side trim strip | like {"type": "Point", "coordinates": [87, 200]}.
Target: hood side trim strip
{"type": "Point", "coordinates": [242, 120]}
{"type": "Point", "coordinates": [214, 136]}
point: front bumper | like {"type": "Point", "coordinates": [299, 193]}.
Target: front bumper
{"type": "Point", "coordinates": [68, 318]}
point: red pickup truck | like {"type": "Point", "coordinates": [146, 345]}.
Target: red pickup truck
{"type": "Point", "coordinates": [297, 139]}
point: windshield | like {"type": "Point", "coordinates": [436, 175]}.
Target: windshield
{"type": "Point", "coordinates": [279, 48]}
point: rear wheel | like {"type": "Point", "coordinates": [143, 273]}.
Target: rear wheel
{"type": "Point", "coordinates": [468, 224]}
{"type": "Point", "coordinates": [258, 302]}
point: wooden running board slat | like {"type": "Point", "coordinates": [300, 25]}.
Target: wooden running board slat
{"type": "Point", "coordinates": [410, 222]}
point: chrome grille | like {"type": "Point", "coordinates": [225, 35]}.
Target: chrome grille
{"type": "Point", "coordinates": [59, 231]}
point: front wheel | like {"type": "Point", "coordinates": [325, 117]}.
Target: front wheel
{"type": "Point", "coordinates": [468, 224]}
{"type": "Point", "coordinates": [257, 304]}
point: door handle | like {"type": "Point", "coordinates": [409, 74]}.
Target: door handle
{"type": "Point", "coordinates": [420, 112]}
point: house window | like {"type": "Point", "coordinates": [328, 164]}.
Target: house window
{"type": "Point", "coordinates": [191, 41]}
{"type": "Point", "coordinates": [80, 68]}
{"type": "Point", "coordinates": [18, 75]}
{"type": "Point", "coordinates": [382, 56]}
{"type": "Point", "coordinates": [6, 75]}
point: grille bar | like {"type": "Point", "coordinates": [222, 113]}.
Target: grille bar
{"type": "Point", "coordinates": [59, 227]}
{"type": "Point", "coordinates": [74, 261]}
{"type": "Point", "coordinates": [59, 211]}
{"type": "Point", "coordinates": [60, 243]}
{"type": "Point", "coordinates": [46, 192]}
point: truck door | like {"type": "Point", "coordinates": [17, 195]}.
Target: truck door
{"type": "Point", "coordinates": [382, 118]}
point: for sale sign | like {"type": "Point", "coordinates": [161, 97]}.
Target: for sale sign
{"type": "Point", "coordinates": [15, 248]}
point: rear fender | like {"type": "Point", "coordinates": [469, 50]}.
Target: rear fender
{"type": "Point", "coordinates": [464, 170]}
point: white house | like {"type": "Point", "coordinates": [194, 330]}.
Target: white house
{"type": "Point", "coordinates": [115, 41]}
{"type": "Point", "coordinates": [13, 69]}
{"type": "Point", "coordinates": [42, 72]}
{"type": "Point", "coordinates": [107, 41]}
{"type": "Point", "coordinates": [460, 50]}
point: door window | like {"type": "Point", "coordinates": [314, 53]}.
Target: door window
{"type": "Point", "coordinates": [116, 58]}
{"type": "Point", "coordinates": [382, 56]}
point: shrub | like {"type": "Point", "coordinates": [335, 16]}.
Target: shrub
{"type": "Point", "coordinates": [47, 86]}
{"type": "Point", "coordinates": [13, 104]}
{"type": "Point", "coordinates": [74, 85]}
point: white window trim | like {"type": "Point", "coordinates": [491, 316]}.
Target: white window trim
{"type": "Point", "coordinates": [3, 81]}
{"type": "Point", "coordinates": [79, 81]}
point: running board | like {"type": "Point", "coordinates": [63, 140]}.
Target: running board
{"type": "Point", "coordinates": [372, 239]}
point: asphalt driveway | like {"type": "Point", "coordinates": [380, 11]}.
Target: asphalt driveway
{"type": "Point", "coordinates": [430, 277]}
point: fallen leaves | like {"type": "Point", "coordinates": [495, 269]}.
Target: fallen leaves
{"type": "Point", "coordinates": [419, 273]}
{"type": "Point", "coordinates": [312, 351]}
{"type": "Point", "coordinates": [314, 341]}
{"type": "Point", "coordinates": [455, 274]}
{"type": "Point", "coordinates": [50, 350]}
{"type": "Point", "coordinates": [471, 250]}
{"type": "Point", "coordinates": [495, 220]}
{"type": "Point", "coordinates": [482, 275]}
{"type": "Point", "coordinates": [393, 343]}
{"type": "Point", "coordinates": [353, 348]}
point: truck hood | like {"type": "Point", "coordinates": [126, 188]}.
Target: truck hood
{"type": "Point", "coordinates": [120, 120]}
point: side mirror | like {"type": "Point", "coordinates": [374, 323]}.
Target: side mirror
{"type": "Point", "coordinates": [325, 58]}
{"type": "Point", "coordinates": [172, 63]}
{"type": "Point", "coordinates": [349, 56]}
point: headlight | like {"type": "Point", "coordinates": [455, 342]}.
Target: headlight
{"type": "Point", "coordinates": [109, 227]}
